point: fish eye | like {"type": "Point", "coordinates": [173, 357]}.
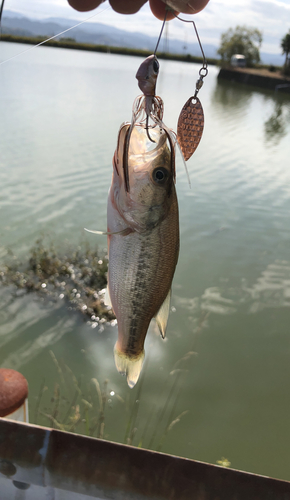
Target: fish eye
{"type": "Point", "coordinates": [160, 175]}
{"type": "Point", "coordinates": [155, 66]}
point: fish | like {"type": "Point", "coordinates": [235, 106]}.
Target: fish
{"type": "Point", "coordinates": [143, 240]}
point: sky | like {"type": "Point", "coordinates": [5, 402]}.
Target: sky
{"type": "Point", "coordinates": [272, 17]}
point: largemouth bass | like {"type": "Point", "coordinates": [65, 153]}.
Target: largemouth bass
{"type": "Point", "coordinates": [143, 241]}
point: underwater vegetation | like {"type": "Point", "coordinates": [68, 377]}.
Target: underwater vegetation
{"type": "Point", "coordinates": [84, 405]}
{"type": "Point", "coordinates": [77, 275]}
{"type": "Point", "coordinates": [90, 407]}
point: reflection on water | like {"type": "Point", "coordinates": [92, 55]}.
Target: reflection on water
{"type": "Point", "coordinates": [227, 95]}
{"type": "Point", "coordinates": [276, 125]}
{"type": "Point", "coordinates": [271, 289]}
{"type": "Point", "coordinates": [237, 97]}
{"type": "Point", "coordinates": [229, 323]}
{"type": "Point", "coordinates": [28, 327]}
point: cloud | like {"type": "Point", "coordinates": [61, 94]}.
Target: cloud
{"type": "Point", "coordinates": [271, 10]}
{"type": "Point", "coordinates": [270, 16]}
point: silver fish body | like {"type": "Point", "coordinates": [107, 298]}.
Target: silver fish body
{"type": "Point", "coordinates": [143, 241]}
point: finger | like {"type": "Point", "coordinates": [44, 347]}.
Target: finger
{"type": "Point", "coordinates": [187, 6]}
{"type": "Point", "coordinates": [158, 8]}
{"type": "Point", "coordinates": [127, 6]}
{"type": "Point", "coordinates": [84, 5]}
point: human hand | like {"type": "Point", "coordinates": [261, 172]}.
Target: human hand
{"type": "Point", "coordinates": [158, 7]}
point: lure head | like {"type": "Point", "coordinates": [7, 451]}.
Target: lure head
{"type": "Point", "coordinates": [147, 75]}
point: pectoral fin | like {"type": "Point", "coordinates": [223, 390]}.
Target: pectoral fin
{"type": "Point", "coordinates": [129, 366]}
{"type": "Point", "coordinates": [94, 232]}
{"type": "Point", "coordinates": [162, 315]}
{"type": "Point", "coordinates": [124, 232]}
{"type": "Point", "coordinates": [107, 298]}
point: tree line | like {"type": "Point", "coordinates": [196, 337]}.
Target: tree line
{"type": "Point", "coordinates": [247, 41]}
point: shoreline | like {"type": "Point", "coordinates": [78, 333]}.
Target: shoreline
{"type": "Point", "coordinates": [257, 78]}
{"type": "Point", "coordinates": [70, 44]}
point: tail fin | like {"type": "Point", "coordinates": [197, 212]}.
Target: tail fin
{"type": "Point", "coordinates": [131, 367]}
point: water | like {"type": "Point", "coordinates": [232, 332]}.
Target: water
{"type": "Point", "coordinates": [60, 114]}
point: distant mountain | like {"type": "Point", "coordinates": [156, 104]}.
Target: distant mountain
{"type": "Point", "coordinates": [103, 34]}
{"type": "Point", "coordinates": [275, 59]}
{"type": "Point", "coordinates": [96, 33]}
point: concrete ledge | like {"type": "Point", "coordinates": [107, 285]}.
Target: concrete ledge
{"type": "Point", "coordinates": [54, 461]}
{"type": "Point", "coordinates": [257, 80]}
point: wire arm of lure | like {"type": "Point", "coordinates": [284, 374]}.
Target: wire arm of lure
{"type": "Point", "coordinates": [203, 70]}
{"type": "Point", "coordinates": [197, 36]}
{"type": "Point", "coordinates": [1, 10]}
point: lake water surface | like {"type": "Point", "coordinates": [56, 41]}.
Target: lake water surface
{"type": "Point", "coordinates": [219, 386]}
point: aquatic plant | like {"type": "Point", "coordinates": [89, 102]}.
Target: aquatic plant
{"type": "Point", "coordinates": [78, 276]}
{"type": "Point", "coordinates": [82, 407]}
{"type": "Point", "coordinates": [223, 462]}
{"type": "Point", "coordinates": [73, 408]}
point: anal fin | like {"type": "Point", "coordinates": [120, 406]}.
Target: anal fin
{"type": "Point", "coordinates": [162, 315]}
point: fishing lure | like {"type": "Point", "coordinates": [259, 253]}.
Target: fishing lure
{"type": "Point", "coordinates": [191, 119]}
{"type": "Point", "coordinates": [148, 111]}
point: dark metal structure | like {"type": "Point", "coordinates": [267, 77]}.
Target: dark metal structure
{"type": "Point", "coordinates": [37, 463]}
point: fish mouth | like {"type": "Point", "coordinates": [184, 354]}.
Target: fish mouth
{"type": "Point", "coordinates": [125, 162]}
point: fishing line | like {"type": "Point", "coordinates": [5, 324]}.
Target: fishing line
{"type": "Point", "coordinates": [52, 37]}
{"type": "Point", "coordinates": [161, 31]}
